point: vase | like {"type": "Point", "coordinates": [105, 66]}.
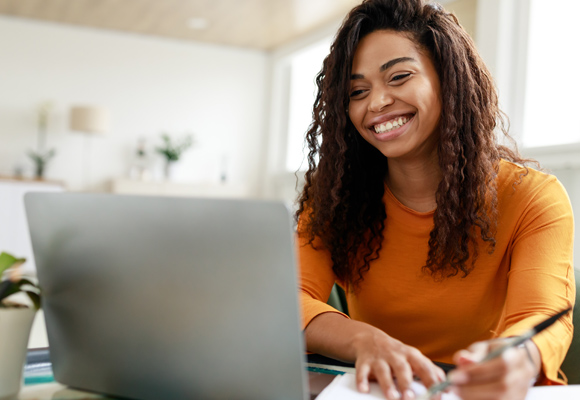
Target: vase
{"type": "Point", "coordinates": [15, 324]}
{"type": "Point", "coordinates": [39, 171]}
{"type": "Point", "coordinates": [169, 170]}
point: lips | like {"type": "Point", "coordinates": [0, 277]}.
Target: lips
{"type": "Point", "coordinates": [391, 118]}
{"type": "Point", "coordinates": [389, 122]}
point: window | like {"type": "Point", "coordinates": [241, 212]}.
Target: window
{"type": "Point", "coordinates": [552, 100]}
{"type": "Point", "coordinates": [304, 67]}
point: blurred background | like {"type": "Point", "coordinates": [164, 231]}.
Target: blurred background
{"type": "Point", "coordinates": [88, 88]}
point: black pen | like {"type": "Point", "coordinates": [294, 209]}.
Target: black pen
{"type": "Point", "coordinates": [512, 342]}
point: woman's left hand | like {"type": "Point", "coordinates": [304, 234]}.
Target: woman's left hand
{"type": "Point", "coordinates": [507, 377]}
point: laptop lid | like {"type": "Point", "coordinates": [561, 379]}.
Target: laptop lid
{"type": "Point", "coordinates": [150, 297]}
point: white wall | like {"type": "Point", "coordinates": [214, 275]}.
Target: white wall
{"type": "Point", "coordinates": [280, 183]}
{"type": "Point", "coordinates": [149, 85]}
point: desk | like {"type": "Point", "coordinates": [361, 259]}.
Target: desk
{"type": "Point", "coordinates": [318, 381]}
{"type": "Point", "coordinates": [55, 391]}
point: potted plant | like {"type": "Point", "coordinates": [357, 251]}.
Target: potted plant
{"type": "Point", "coordinates": [41, 156]}
{"type": "Point", "coordinates": [15, 322]}
{"type": "Point", "coordinates": [172, 151]}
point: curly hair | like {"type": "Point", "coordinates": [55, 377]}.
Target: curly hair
{"type": "Point", "coordinates": [342, 200]}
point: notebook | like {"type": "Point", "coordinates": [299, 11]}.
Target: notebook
{"type": "Point", "coordinates": [169, 298]}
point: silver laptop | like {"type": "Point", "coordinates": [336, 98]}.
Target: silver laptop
{"type": "Point", "coordinates": [169, 298]}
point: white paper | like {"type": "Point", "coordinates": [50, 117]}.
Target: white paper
{"type": "Point", "coordinates": [343, 387]}
{"type": "Point", "coordinates": [570, 392]}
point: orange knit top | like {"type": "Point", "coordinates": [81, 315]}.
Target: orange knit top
{"type": "Point", "coordinates": [528, 277]}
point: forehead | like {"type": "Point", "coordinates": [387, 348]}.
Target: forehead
{"type": "Point", "coordinates": [378, 47]}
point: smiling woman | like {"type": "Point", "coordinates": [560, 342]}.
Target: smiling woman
{"type": "Point", "coordinates": [413, 206]}
{"type": "Point", "coordinates": [390, 84]}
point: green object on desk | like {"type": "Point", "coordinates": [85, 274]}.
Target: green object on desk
{"type": "Point", "coordinates": [36, 380]}
{"type": "Point", "coordinates": [325, 371]}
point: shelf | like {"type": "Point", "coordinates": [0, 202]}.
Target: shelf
{"type": "Point", "coordinates": [167, 188]}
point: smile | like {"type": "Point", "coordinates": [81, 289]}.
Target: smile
{"type": "Point", "coordinates": [391, 124]}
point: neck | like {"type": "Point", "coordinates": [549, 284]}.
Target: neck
{"type": "Point", "coordinates": [414, 183]}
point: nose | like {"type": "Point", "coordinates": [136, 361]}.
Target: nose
{"type": "Point", "coordinates": [379, 99]}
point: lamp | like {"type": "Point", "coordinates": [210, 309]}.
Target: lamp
{"type": "Point", "coordinates": [88, 120]}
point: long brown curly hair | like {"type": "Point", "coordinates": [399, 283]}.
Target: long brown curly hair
{"type": "Point", "coordinates": [342, 200]}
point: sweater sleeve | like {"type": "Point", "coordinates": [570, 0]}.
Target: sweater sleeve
{"type": "Point", "coordinates": [541, 276]}
{"type": "Point", "coordinates": [316, 280]}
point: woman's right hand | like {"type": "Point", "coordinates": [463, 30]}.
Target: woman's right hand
{"type": "Point", "coordinates": [377, 356]}
{"type": "Point", "coordinates": [380, 357]}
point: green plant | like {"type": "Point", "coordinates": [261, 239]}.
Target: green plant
{"type": "Point", "coordinates": [40, 160]}
{"type": "Point", "coordinates": [16, 282]}
{"type": "Point", "coordinates": [41, 157]}
{"type": "Point", "coordinates": [173, 150]}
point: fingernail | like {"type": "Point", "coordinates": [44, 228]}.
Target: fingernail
{"type": "Point", "coordinates": [394, 394]}
{"type": "Point", "coordinates": [409, 395]}
{"type": "Point", "coordinates": [458, 377]}
{"type": "Point", "coordinates": [364, 387]}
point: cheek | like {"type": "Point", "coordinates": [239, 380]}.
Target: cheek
{"type": "Point", "coordinates": [356, 115]}
{"type": "Point", "coordinates": [431, 105]}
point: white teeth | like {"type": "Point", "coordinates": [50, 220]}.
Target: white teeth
{"type": "Point", "coordinates": [390, 125]}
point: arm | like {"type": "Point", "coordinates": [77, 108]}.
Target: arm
{"type": "Point", "coordinates": [540, 284]}
{"type": "Point", "coordinates": [330, 333]}
{"type": "Point", "coordinates": [376, 355]}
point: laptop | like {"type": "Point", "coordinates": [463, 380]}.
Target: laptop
{"type": "Point", "coordinates": [169, 298]}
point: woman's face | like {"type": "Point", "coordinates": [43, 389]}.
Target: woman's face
{"type": "Point", "coordinates": [395, 99]}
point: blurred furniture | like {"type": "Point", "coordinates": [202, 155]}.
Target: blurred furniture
{"type": "Point", "coordinates": [14, 236]}
{"type": "Point", "coordinates": [337, 299]}
{"type": "Point", "coordinates": [90, 121]}
{"type": "Point", "coordinates": [167, 188]}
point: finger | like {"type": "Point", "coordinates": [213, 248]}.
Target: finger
{"type": "Point", "coordinates": [486, 391]}
{"type": "Point", "coordinates": [362, 377]}
{"type": "Point", "coordinates": [463, 357]}
{"type": "Point", "coordinates": [384, 377]}
{"type": "Point", "coordinates": [488, 371]}
{"type": "Point", "coordinates": [441, 375]}
{"type": "Point", "coordinates": [426, 371]}
{"type": "Point", "coordinates": [404, 374]}
{"type": "Point", "coordinates": [476, 352]}
{"type": "Point", "coordinates": [479, 350]}
{"type": "Point", "coordinates": [480, 347]}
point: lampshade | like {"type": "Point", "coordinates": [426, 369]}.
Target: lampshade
{"type": "Point", "coordinates": [89, 119]}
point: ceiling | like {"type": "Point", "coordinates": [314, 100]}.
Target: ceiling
{"type": "Point", "coordinates": [258, 24]}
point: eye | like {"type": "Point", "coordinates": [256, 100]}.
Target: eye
{"type": "Point", "coordinates": [400, 77]}
{"type": "Point", "coordinates": [356, 93]}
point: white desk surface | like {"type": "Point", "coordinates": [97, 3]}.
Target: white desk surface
{"type": "Point", "coordinates": [56, 391]}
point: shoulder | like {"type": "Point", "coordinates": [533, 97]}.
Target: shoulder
{"type": "Point", "coordinates": [516, 180]}
{"type": "Point", "coordinates": [528, 188]}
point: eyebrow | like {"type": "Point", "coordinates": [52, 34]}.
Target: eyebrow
{"type": "Point", "coordinates": [387, 65]}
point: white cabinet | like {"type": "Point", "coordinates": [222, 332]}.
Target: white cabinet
{"type": "Point", "coordinates": [166, 188]}
{"type": "Point", "coordinates": [14, 236]}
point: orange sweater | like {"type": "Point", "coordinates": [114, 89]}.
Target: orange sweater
{"type": "Point", "coordinates": [529, 276]}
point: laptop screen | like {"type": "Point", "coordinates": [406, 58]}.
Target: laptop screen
{"type": "Point", "coordinates": [149, 298]}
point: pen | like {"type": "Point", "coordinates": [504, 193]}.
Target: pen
{"type": "Point", "coordinates": [512, 342]}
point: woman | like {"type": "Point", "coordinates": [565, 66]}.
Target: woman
{"type": "Point", "coordinates": [440, 236]}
